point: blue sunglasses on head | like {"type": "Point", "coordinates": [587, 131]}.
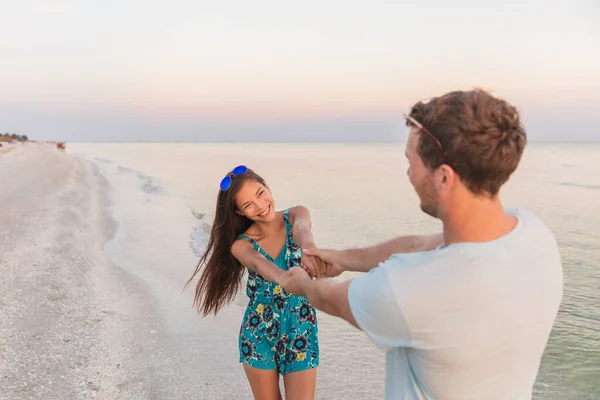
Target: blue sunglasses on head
{"type": "Point", "coordinates": [226, 182]}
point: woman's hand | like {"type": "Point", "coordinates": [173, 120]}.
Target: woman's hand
{"type": "Point", "coordinates": [295, 281]}
{"type": "Point", "coordinates": [326, 262]}
{"type": "Point", "coordinates": [312, 265]}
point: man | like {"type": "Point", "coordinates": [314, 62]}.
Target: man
{"type": "Point", "coordinates": [465, 314]}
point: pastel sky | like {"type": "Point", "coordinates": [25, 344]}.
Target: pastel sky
{"type": "Point", "coordinates": [199, 70]}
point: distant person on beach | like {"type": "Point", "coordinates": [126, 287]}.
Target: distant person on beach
{"type": "Point", "coordinates": [465, 314]}
{"type": "Point", "coordinates": [279, 332]}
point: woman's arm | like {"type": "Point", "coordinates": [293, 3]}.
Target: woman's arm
{"type": "Point", "coordinates": [252, 259]}
{"type": "Point", "coordinates": [301, 231]}
{"type": "Point", "coordinates": [302, 234]}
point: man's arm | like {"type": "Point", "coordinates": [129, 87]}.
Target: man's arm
{"type": "Point", "coordinates": [366, 302]}
{"type": "Point", "coordinates": [367, 258]}
{"type": "Point", "coordinates": [325, 295]}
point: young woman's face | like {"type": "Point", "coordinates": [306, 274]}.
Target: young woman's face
{"type": "Point", "coordinates": [254, 201]}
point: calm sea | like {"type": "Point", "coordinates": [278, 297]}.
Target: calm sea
{"type": "Point", "coordinates": [164, 196]}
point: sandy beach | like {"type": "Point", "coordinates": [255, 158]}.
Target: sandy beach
{"type": "Point", "coordinates": [73, 326]}
{"type": "Point", "coordinates": [62, 334]}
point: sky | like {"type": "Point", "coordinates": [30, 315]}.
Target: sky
{"type": "Point", "coordinates": [265, 70]}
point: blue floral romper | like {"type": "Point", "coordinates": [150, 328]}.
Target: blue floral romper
{"type": "Point", "coordinates": [279, 330]}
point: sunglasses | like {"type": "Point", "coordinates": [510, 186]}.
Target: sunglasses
{"type": "Point", "coordinates": [422, 128]}
{"type": "Point", "coordinates": [226, 182]}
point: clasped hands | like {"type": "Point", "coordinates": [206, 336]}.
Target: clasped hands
{"type": "Point", "coordinates": [320, 263]}
{"type": "Point", "coordinates": [315, 263]}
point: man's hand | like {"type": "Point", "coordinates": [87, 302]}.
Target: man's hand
{"type": "Point", "coordinates": [328, 265]}
{"type": "Point", "coordinates": [315, 267]}
{"type": "Point", "coordinates": [295, 280]}
{"type": "Point", "coordinates": [311, 264]}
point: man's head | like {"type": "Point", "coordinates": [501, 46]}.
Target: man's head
{"type": "Point", "coordinates": [462, 144]}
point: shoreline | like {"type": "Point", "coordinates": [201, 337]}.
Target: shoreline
{"type": "Point", "coordinates": [70, 319]}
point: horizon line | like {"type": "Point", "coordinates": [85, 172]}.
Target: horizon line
{"type": "Point", "coordinates": [558, 141]}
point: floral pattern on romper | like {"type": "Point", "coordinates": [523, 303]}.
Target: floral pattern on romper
{"type": "Point", "coordinates": [279, 330]}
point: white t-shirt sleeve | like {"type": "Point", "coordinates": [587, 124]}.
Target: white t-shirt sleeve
{"type": "Point", "coordinates": [376, 311]}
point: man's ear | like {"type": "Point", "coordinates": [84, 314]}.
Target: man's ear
{"type": "Point", "coordinates": [447, 178]}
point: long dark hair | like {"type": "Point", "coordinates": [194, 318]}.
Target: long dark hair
{"type": "Point", "coordinates": [222, 274]}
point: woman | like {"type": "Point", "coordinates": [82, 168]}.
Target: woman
{"type": "Point", "coordinates": [279, 330]}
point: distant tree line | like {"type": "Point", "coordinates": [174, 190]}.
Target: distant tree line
{"type": "Point", "coordinates": [8, 137]}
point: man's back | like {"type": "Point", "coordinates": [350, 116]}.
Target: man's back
{"type": "Point", "coordinates": [470, 320]}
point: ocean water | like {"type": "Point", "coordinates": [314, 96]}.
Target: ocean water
{"type": "Point", "coordinates": [163, 196]}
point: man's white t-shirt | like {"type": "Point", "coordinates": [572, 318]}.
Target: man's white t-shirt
{"type": "Point", "coordinates": [466, 321]}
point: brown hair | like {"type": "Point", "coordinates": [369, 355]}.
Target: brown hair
{"type": "Point", "coordinates": [222, 274]}
{"type": "Point", "coordinates": [481, 136]}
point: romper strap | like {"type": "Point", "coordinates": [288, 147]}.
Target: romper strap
{"type": "Point", "coordinates": [254, 244]}
{"type": "Point", "coordinates": [286, 218]}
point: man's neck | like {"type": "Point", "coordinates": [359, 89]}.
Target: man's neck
{"type": "Point", "coordinates": [477, 219]}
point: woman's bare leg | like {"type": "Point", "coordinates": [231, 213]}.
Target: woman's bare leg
{"type": "Point", "coordinates": [264, 383]}
{"type": "Point", "coordinates": [300, 385]}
